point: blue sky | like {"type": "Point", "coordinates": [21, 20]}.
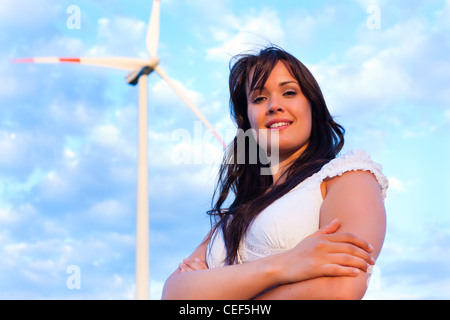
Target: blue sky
{"type": "Point", "coordinates": [68, 133]}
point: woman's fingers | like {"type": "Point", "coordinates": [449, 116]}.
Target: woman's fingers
{"type": "Point", "coordinates": [351, 250]}
{"type": "Point", "coordinates": [352, 239]}
{"type": "Point", "coordinates": [347, 260]}
{"type": "Point", "coordinates": [192, 265]}
{"type": "Point", "coordinates": [184, 268]}
{"type": "Point", "coordinates": [332, 227]}
{"type": "Point", "coordinates": [334, 270]}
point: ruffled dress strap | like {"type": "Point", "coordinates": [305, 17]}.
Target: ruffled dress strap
{"type": "Point", "coordinates": [358, 160]}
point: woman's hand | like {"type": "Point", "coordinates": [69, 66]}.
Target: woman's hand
{"type": "Point", "coordinates": [324, 253]}
{"type": "Point", "coordinates": [192, 265]}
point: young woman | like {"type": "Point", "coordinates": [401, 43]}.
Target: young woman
{"type": "Point", "coordinates": [310, 230]}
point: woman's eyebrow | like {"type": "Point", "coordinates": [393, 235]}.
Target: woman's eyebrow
{"type": "Point", "coordinates": [288, 82]}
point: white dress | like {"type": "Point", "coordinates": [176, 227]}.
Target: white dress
{"type": "Point", "coordinates": [293, 217]}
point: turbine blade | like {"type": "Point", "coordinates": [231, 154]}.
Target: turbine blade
{"type": "Point", "coordinates": [152, 37]}
{"type": "Point", "coordinates": [190, 105]}
{"type": "Point", "coordinates": [122, 63]}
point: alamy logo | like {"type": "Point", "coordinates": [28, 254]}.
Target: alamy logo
{"type": "Point", "coordinates": [373, 22]}
{"type": "Point", "coordinates": [252, 146]}
{"type": "Point", "coordinates": [74, 19]}
{"type": "Point", "coordinates": [74, 279]}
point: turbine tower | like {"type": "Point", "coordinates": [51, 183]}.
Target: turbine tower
{"type": "Point", "coordinates": [138, 70]}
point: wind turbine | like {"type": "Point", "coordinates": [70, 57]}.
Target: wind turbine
{"type": "Point", "coordinates": [138, 70]}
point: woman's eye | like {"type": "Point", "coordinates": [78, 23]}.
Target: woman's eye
{"type": "Point", "coordinates": [258, 99]}
{"type": "Point", "coordinates": [290, 93]}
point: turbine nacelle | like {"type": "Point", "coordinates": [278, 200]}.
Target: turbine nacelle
{"type": "Point", "coordinates": [133, 77]}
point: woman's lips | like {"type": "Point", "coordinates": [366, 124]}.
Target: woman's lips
{"type": "Point", "coordinates": [277, 124]}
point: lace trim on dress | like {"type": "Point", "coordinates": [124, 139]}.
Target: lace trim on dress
{"type": "Point", "coordinates": [250, 252]}
{"type": "Point", "coordinates": [262, 250]}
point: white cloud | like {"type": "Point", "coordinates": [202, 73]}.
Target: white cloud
{"type": "Point", "coordinates": [397, 185]}
{"type": "Point", "coordinates": [10, 148]}
{"type": "Point", "coordinates": [303, 27]}
{"type": "Point", "coordinates": [108, 212]}
{"type": "Point", "coordinates": [163, 95]}
{"type": "Point", "coordinates": [56, 186]}
{"type": "Point", "coordinates": [33, 13]}
{"type": "Point", "coordinates": [253, 29]}
{"type": "Point", "coordinates": [120, 36]}
{"type": "Point", "coordinates": [447, 115]}
{"type": "Point", "coordinates": [108, 136]}
{"type": "Point", "coordinates": [389, 66]}
{"type": "Point", "coordinates": [402, 185]}
{"type": "Point", "coordinates": [367, 3]}
{"type": "Point", "coordinates": [373, 83]}
{"type": "Point", "coordinates": [7, 216]}
{"type": "Point", "coordinates": [15, 86]}
{"type": "Point", "coordinates": [442, 17]}
{"type": "Point", "coordinates": [156, 288]}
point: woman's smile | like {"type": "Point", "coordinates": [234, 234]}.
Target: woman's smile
{"type": "Point", "coordinates": [278, 124]}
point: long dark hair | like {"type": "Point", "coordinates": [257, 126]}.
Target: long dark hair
{"type": "Point", "coordinates": [253, 192]}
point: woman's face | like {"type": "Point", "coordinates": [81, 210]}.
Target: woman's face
{"type": "Point", "coordinates": [280, 107]}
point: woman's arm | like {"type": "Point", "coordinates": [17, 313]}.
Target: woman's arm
{"type": "Point", "coordinates": [325, 253]}
{"type": "Point", "coordinates": [355, 199]}
{"type": "Point", "coordinates": [231, 282]}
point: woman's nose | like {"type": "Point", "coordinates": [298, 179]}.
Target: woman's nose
{"type": "Point", "coordinates": [274, 108]}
